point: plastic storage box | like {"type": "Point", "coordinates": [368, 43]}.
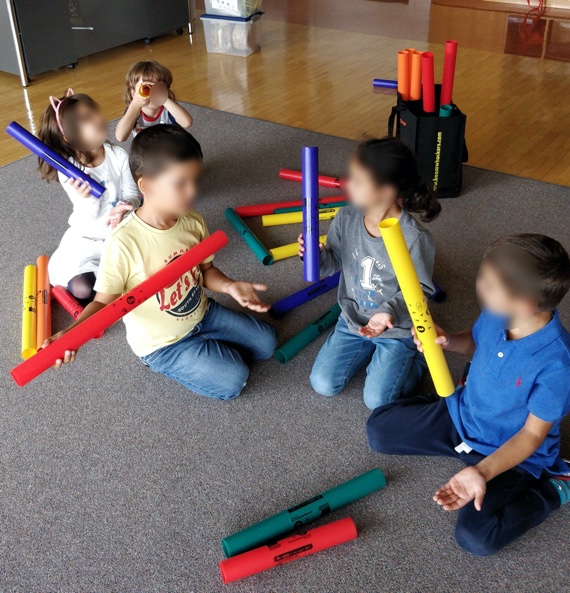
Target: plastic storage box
{"type": "Point", "coordinates": [235, 8]}
{"type": "Point", "coordinates": [232, 36]}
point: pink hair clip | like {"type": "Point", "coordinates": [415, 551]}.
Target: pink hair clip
{"type": "Point", "coordinates": [56, 104]}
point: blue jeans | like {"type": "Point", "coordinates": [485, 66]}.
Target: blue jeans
{"type": "Point", "coordinates": [213, 358]}
{"type": "Point", "coordinates": [394, 366]}
{"type": "Point", "coordinates": [515, 500]}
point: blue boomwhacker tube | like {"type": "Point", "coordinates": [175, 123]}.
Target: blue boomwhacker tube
{"type": "Point", "coordinates": [439, 295]}
{"type": "Point", "coordinates": [382, 83]}
{"type": "Point", "coordinates": [310, 182]}
{"type": "Point", "coordinates": [281, 308]}
{"type": "Point", "coordinates": [40, 149]}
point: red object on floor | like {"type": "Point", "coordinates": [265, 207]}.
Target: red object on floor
{"type": "Point", "coordinates": [324, 180]}
{"type": "Point", "coordinates": [100, 321]}
{"type": "Point", "coordinates": [288, 549]}
{"type": "Point", "coordinates": [67, 301]}
{"type": "Point", "coordinates": [263, 209]}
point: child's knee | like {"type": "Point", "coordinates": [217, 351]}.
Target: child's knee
{"type": "Point", "coordinates": [473, 538]}
{"type": "Point", "coordinates": [378, 431]}
{"type": "Point", "coordinates": [323, 383]}
{"type": "Point", "coordinates": [231, 383]}
{"type": "Point", "coordinates": [376, 397]}
{"type": "Point", "coordinates": [267, 342]}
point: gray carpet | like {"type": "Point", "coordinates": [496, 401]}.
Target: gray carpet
{"type": "Point", "coordinates": [115, 479]}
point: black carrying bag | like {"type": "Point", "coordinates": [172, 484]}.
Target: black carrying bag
{"type": "Point", "coordinates": [437, 142]}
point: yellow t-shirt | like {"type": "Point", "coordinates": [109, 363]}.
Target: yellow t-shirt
{"type": "Point", "coordinates": [134, 252]}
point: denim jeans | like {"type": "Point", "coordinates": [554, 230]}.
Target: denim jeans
{"type": "Point", "coordinates": [213, 359]}
{"type": "Point", "coordinates": [394, 366]}
{"type": "Point", "coordinates": [515, 500]}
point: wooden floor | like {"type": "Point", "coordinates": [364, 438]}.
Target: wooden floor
{"type": "Point", "coordinates": [518, 108]}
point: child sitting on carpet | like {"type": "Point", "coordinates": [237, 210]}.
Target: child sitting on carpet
{"type": "Point", "coordinates": [158, 107]}
{"type": "Point", "coordinates": [182, 334]}
{"type": "Point", "coordinates": [504, 423]}
{"type": "Point", "coordinates": [75, 129]}
{"type": "Point", "coordinates": [374, 328]}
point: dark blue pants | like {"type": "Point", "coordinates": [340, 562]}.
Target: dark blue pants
{"type": "Point", "coordinates": [515, 501]}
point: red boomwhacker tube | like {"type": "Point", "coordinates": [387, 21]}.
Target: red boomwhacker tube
{"type": "Point", "coordinates": [67, 301]}
{"type": "Point", "coordinates": [324, 180]}
{"type": "Point", "coordinates": [104, 318]}
{"type": "Point", "coordinates": [288, 549]}
{"type": "Point", "coordinates": [428, 87]}
{"type": "Point", "coordinates": [263, 209]}
{"type": "Point", "coordinates": [448, 76]}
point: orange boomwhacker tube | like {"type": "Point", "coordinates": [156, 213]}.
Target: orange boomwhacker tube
{"type": "Point", "coordinates": [404, 74]}
{"type": "Point", "coordinates": [416, 76]}
{"type": "Point", "coordinates": [43, 301]}
{"type": "Point", "coordinates": [287, 549]}
{"type": "Point", "coordinates": [104, 318]}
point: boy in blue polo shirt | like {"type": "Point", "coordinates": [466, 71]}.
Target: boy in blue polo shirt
{"type": "Point", "coordinates": [504, 423]}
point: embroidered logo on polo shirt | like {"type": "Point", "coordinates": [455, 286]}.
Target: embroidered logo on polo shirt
{"type": "Point", "coordinates": [519, 381]}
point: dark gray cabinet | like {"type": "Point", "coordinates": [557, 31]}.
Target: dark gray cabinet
{"type": "Point", "coordinates": [55, 33]}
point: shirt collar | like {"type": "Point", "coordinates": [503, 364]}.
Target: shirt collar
{"type": "Point", "coordinates": [540, 339]}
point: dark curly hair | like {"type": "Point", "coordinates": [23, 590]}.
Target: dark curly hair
{"type": "Point", "coordinates": [391, 162]}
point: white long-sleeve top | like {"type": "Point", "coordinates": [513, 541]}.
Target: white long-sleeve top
{"type": "Point", "coordinates": [90, 215]}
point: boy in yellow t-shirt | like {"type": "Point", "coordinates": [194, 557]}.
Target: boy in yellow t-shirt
{"type": "Point", "coordinates": [179, 332]}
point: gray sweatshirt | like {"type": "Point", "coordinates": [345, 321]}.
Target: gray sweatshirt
{"type": "Point", "coordinates": [368, 284]}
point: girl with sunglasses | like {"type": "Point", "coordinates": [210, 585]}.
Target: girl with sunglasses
{"type": "Point", "coordinates": [74, 127]}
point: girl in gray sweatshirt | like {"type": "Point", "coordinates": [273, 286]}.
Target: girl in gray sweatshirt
{"type": "Point", "coordinates": [374, 328]}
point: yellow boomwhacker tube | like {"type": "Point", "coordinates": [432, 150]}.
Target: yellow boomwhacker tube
{"type": "Point", "coordinates": [295, 217]}
{"type": "Point", "coordinates": [290, 250]}
{"type": "Point", "coordinates": [29, 312]}
{"type": "Point", "coordinates": [417, 304]}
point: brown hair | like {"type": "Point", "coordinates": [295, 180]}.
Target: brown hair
{"type": "Point", "coordinates": [50, 134]}
{"type": "Point", "coordinates": [533, 266]}
{"type": "Point", "coordinates": [151, 71]}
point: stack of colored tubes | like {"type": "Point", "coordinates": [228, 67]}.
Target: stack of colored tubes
{"type": "Point", "coordinates": [254, 550]}
{"type": "Point", "coordinates": [36, 307]}
{"type": "Point", "coordinates": [416, 79]}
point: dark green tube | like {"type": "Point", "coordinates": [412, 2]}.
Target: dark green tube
{"type": "Point", "coordinates": [286, 352]}
{"type": "Point", "coordinates": [300, 208]}
{"type": "Point", "coordinates": [272, 528]}
{"type": "Point", "coordinates": [252, 241]}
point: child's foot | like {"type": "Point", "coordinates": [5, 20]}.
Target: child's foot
{"type": "Point", "coordinates": [562, 485]}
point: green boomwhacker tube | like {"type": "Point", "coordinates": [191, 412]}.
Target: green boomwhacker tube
{"type": "Point", "coordinates": [262, 254]}
{"type": "Point", "coordinates": [288, 350]}
{"type": "Point", "coordinates": [270, 529]}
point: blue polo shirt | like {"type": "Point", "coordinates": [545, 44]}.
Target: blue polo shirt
{"type": "Point", "coordinates": [509, 379]}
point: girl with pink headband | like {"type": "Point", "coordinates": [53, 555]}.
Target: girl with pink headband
{"type": "Point", "coordinates": [74, 127]}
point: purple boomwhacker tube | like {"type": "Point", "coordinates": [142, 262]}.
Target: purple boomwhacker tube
{"type": "Point", "coordinates": [47, 154]}
{"type": "Point", "coordinates": [382, 83]}
{"type": "Point", "coordinates": [282, 307]}
{"type": "Point", "coordinates": [310, 183]}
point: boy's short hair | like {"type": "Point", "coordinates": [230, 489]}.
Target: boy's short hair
{"type": "Point", "coordinates": [533, 266]}
{"type": "Point", "coordinates": [154, 148]}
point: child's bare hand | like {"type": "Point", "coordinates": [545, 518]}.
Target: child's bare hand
{"type": "Point", "coordinates": [245, 294]}
{"type": "Point", "coordinates": [83, 188]}
{"type": "Point", "coordinates": [301, 251]}
{"type": "Point", "coordinates": [377, 324]}
{"type": "Point", "coordinates": [117, 214]}
{"type": "Point", "coordinates": [69, 354]}
{"type": "Point", "coordinates": [138, 100]}
{"type": "Point", "coordinates": [467, 485]}
{"type": "Point", "coordinates": [442, 339]}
